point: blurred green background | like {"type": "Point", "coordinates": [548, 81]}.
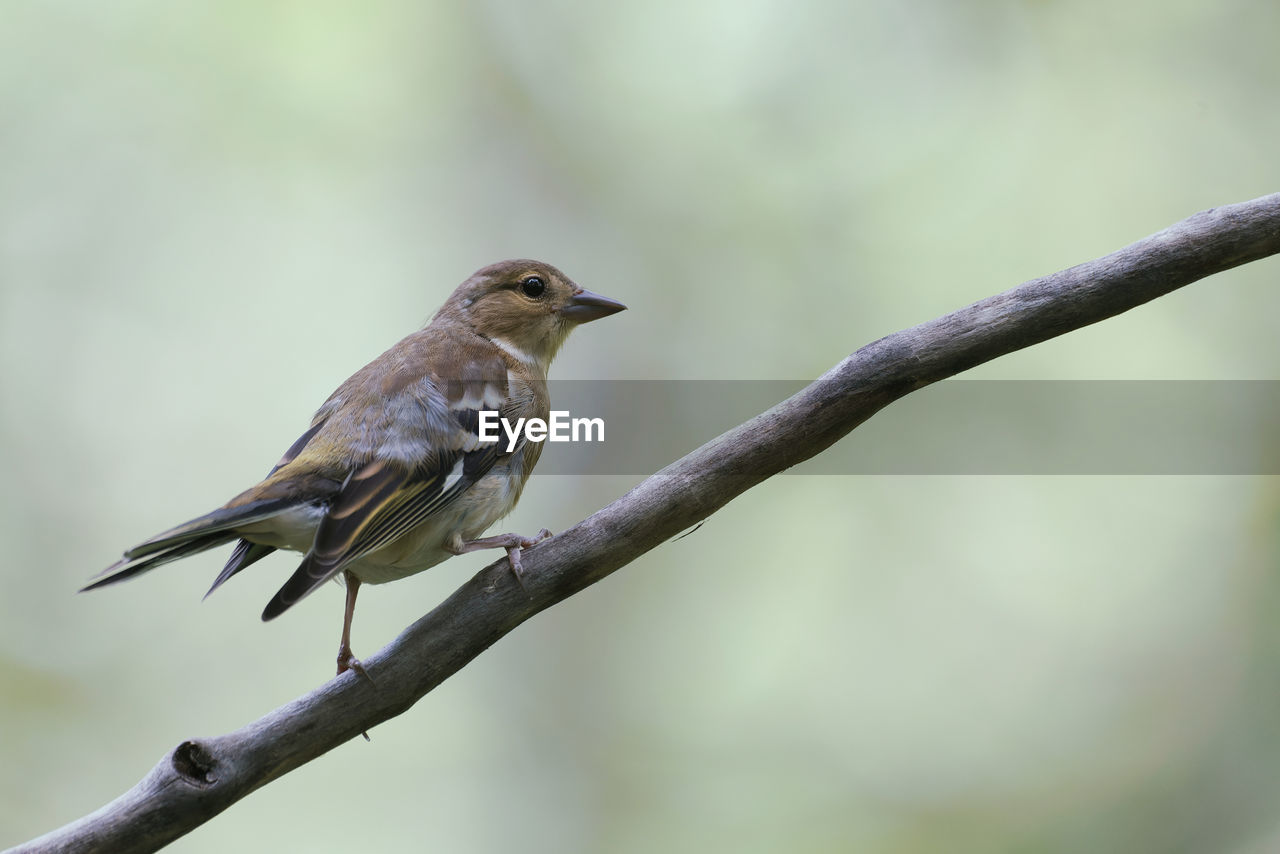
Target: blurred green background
{"type": "Point", "coordinates": [212, 213]}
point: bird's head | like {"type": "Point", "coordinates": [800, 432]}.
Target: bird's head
{"type": "Point", "coordinates": [526, 307]}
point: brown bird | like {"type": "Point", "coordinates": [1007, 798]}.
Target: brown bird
{"type": "Point", "coordinates": [392, 477]}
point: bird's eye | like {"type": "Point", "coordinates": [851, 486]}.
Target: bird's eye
{"type": "Point", "coordinates": [533, 286]}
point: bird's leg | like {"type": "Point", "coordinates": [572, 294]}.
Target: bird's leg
{"type": "Point", "coordinates": [346, 660]}
{"type": "Point", "coordinates": [513, 543]}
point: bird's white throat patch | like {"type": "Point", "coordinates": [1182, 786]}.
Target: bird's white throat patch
{"type": "Point", "coordinates": [514, 352]}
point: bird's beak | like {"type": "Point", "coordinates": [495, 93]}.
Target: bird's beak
{"type": "Point", "coordinates": [585, 306]}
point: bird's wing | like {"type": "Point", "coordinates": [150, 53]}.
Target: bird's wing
{"type": "Point", "coordinates": [421, 464]}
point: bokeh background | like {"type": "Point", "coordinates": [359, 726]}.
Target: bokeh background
{"type": "Point", "coordinates": [212, 213]}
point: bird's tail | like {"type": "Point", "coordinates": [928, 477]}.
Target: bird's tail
{"type": "Point", "coordinates": [206, 532]}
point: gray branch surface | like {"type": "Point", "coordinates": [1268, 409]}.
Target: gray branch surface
{"type": "Point", "coordinates": [200, 778]}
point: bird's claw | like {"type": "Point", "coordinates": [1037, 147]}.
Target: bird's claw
{"type": "Point", "coordinates": [347, 661]}
{"type": "Point", "coordinates": [513, 555]}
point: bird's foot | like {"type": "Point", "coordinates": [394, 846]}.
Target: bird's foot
{"type": "Point", "coordinates": [513, 543]}
{"type": "Point", "coordinates": [513, 554]}
{"type": "Point", "coordinates": [348, 661]}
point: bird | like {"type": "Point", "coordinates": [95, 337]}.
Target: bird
{"type": "Point", "coordinates": [393, 477]}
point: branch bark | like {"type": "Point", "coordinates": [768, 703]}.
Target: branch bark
{"type": "Point", "coordinates": [200, 778]}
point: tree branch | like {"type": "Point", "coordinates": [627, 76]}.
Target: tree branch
{"type": "Point", "coordinates": [202, 777]}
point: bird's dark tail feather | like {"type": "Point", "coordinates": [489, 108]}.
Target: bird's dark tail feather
{"type": "Point", "coordinates": [206, 532]}
{"type": "Point", "coordinates": [127, 567]}
{"type": "Point", "coordinates": [244, 554]}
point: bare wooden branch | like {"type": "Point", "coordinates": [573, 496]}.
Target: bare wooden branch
{"type": "Point", "coordinates": [200, 778]}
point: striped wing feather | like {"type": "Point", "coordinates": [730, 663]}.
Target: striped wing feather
{"type": "Point", "coordinates": [380, 504]}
